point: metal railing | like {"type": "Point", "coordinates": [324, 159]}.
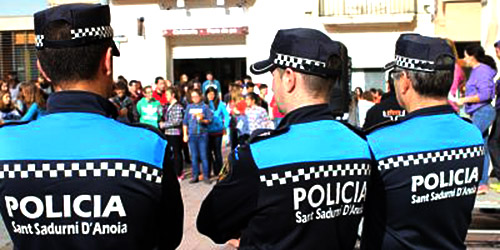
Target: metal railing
{"type": "Point", "coordinates": [366, 7]}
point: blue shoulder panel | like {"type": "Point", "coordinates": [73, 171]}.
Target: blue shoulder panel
{"type": "Point", "coordinates": [310, 142]}
{"type": "Point", "coordinates": [80, 136]}
{"type": "Point", "coordinates": [426, 133]}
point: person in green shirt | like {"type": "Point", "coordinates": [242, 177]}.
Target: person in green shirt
{"type": "Point", "coordinates": [149, 109]}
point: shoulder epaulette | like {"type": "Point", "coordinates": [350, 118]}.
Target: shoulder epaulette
{"type": "Point", "coordinates": [263, 134]}
{"type": "Point", "coordinates": [354, 129]}
{"type": "Point", "coordinates": [14, 123]}
{"type": "Point", "coordinates": [380, 125]}
{"type": "Point", "coordinates": [148, 127]}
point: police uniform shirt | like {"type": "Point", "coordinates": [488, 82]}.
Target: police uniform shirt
{"type": "Point", "coordinates": [302, 187]}
{"type": "Point", "coordinates": [424, 187]}
{"type": "Point", "coordinates": [387, 110]}
{"type": "Point", "coordinates": [77, 179]}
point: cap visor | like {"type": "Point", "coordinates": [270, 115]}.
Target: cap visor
{"type": "Point", "coordinates": [390, 66]}
{"type": "Point", "coordinates": [262, 67]}
{"type": "Point", "coordinates": [116, 52]}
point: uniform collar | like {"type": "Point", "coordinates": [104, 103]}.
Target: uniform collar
{"type": "Point", "coordinates": [306, 114]}
{"type": "Point", "coordinates": [80, 101]}
{"type": "Point", "coordinates": [435, 110]}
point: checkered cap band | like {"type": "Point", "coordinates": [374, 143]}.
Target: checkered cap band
{"type": "Point", "coordinates": [296, 62]}
{"type": "Point", "coordinates": [39, 41]}
{"type": "Point", "coordinates": [40, 170]}
{"type": "Point", "coordinates": [315, 172]}
{"type": "Point", "coordinates": [99, 32]}
{"type": "Point", "coordinates": [431, 157]}
{"type": "Point", "coordinates": [414, 64]}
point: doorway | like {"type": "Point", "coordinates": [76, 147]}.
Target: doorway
{"type": "Point", "coordinates": [225, 70]}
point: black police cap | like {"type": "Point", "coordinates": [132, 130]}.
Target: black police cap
{"type": "Point", "coordinates": [304, 50]}
{"type": "Point", "coordinates": [90, 23]}
{"type": "Point", "coordinates": [420, 53]}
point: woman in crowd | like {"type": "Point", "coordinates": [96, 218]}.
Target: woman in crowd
{"type": "Point", "coordinates": [33, 100]}
{"type": "Point", "coordinates": [458, 79]}
{"type": "Point", "coordinates": [8, 111]}
{"type": "Point", "coordinates": [479, 91]}
{"type": "Point", "coordinates": [195, 130]}
{"type": "Point", "coordinates": [236, 108]}
{"type": "Point", "coordinates": [4, 86]}
{"type": "Point", "coordinates": [171, 123]}
{"type": "Point", "coordinates": [257, 117]}
{"type": "Point", "coordinates": [364, 104]}
{"type": "Point", "coordinates": [216, 129]}
{"type": "Point", "coordinates": [359, 92]}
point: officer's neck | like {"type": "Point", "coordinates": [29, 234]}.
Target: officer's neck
{"type": "Point", "coordinates": [423, 102]}
{"type": "Point", "coordinates": [93, 86]}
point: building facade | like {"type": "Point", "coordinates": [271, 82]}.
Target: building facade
{"type": "Point", "coordinates": [170, 37]}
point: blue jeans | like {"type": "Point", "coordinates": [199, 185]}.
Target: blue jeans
{"type": "Point", "coordinates": [198, 146]}
{"type": "Point", "coordinates": [483, 118]}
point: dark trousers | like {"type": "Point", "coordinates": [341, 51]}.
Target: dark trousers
{"type": "Point", "coordinates": [494, 145]}
{"type": "Point", "coordinates": [215, 152]}
{"type": "Point", "coordinates": [175, 146]}
{"type": "Point", "coordinates": [185, 152]}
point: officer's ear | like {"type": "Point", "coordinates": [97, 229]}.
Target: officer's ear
{"type": "Point", "coordinates": [40, 69]}
{"type": "Point", "coordinates": [107, 63]}
{"type": "Point", "coordinates": [404, 83]}
{"type": "Point", "coordinates": [289, 80]}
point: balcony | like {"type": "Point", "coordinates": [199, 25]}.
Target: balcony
{"type": "Point", "coordinates": [349, 12]}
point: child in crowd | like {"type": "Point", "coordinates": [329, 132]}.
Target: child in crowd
{"type": "Point", "coordinates": [149, 109]}
{"type": "Point", "coordinates": [123, 103]}
{"type": "Point", "coordinates": [171, 123]}
{"type": "Point", "coordinates": [236, 108]}
{"type": "Point", "coordinates": [33, 100]}
{"type": "Point", "coordinates": [8, 111]}
{"type": "Point", "coordinates": [195, 130]}
{"type": "Point", "coordinates": [257, 117]}
{"type": "Point", "coordinates": [216, 129]}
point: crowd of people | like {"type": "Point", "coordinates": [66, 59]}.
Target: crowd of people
{"type": "Point", "coordinates": [195, 116]}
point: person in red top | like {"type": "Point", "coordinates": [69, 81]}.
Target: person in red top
{"type": "Point", "coordinates": [277, 115]}
{"type": "Point", "coordinates": [159, 93]}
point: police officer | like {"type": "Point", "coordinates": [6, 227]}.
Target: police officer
{"type": "Point", "coordinates": [76, 178]}
{"type": "Point", "coordinates": [304, 185]}
{"type": "Point", "coordinates": [429, 162]}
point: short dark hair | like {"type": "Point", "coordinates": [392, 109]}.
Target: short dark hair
{"type": "Point", "coordinates": [253, 96]}
{"type": "Point", "coordinates": [263, 86]}
{"type": "Point", "coordinates": [66, 65]}
{"type": "Point", "coordinates": [247, 77]}
{"type": "Point", "coordinates": [131, 83]}
{"type": "Point", "coordinates": [250, 84]}
{"type": "Point", "coordinates": [433, 84]}
{"type": "Point", "coordinates": [121, 85]}
{"type": "Point", "coordinates": [321, 87]}
{"type": "Point", "coordinates": [174, 91]}
{"type": "Point", "coordinates": [158, 78]}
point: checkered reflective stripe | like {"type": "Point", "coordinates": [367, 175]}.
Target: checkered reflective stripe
{"type": "Point", "coordinates": [413, 64]}
{"type": "Point", "coordinates": [296, 62]}
{"type": "Point", "coordinates": [431, 157]}
{"type": "Point", "coordinates": [39, 41]}
{"type": "Point", "coordinates": [100, 32]}
{"type": "Point", "coordinates": [40, 170]}
{"type": "Point", "coordinates": [315, 172]}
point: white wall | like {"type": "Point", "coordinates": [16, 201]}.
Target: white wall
{"type": "Point", "coordinates": [146, 58]}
